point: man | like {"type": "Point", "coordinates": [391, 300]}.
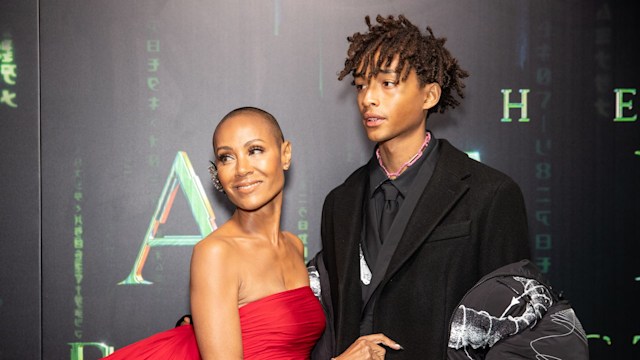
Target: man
{"type": "Point", "coordinates": [407, 234]}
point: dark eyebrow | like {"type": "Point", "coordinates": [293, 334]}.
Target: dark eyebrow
{"type": "Point", "coordinates": [381, 71]}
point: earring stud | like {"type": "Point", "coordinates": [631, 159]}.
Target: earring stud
{"type": "Point", "coordinates": [213, 172]}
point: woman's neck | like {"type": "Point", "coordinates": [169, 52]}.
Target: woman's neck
{"type": "Point", "coordinates": [263, 222]}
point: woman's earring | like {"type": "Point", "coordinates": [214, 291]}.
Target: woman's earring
{"type": "Point", "coordinates": [213, 171]}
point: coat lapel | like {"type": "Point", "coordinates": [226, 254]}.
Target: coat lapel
{"type": "Point", "coordinates": [443, 195]}
{"type": "Point", "coordinates": [417, 218]}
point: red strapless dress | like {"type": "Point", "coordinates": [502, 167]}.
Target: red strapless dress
{"type": "Point", "coordinates": [284, 325]}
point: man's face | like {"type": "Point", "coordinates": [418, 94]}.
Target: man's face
{"type": "Point", "coordinates": [392, 109]}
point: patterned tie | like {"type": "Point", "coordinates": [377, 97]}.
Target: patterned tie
{"type": "Point", "coordinates": [390, 208]}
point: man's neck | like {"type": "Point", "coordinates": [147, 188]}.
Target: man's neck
{"type": "Point", "coordinates": [397, 154]}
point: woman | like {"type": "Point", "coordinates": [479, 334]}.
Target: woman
{"type": "Point", "coordinates": [250, 294]}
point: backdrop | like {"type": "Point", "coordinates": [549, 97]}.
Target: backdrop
{"type": "Point", "coordinates": [107, 109]}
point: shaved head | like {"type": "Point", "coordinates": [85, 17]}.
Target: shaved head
{"type": "Point", "coordinates": [270, 119]}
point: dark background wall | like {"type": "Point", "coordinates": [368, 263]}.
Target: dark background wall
{"type": "Point", "coordinates": [107, 95]}
{"type": "Point", "coordinates": [20, 223]}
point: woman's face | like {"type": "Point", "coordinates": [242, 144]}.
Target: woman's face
{"type": "Point", "coordinates": [251, 160]}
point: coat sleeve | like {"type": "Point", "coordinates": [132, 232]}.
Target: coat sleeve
{"type": "Point", "coordinates": [324, 260]}
{"type": "Point", "coordinates": [325, 346]}
{"type": "Point", "coordinates": [505, 231]}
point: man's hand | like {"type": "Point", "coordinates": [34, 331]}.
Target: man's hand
{"type": "Point", "coordinates": [368, 347]}
{"type": "Point", "coordinates": [184, 320]}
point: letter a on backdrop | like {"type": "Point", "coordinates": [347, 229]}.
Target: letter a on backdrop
{"type": "Point", "coordinates": [181, 176]}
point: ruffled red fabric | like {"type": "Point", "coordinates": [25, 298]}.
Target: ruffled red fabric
{"type": "Point", "coordinates": [285, 325]}
{"type": "Point", "coordinates": [178, 343]}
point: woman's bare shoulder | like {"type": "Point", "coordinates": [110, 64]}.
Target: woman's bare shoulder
{"type": "Point", "coordinates": [217, 245]}
{"type": "Point", "coordinates": [295, 241]}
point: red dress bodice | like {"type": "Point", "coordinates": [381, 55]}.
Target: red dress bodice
{"type": "Point", "coordinates": [284, 325]}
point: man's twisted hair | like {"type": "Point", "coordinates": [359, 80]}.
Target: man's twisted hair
{"type": "Point", "coordinates": [425, 54]}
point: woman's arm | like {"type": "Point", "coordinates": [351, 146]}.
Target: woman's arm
{"type": "Point", "coordinates": [214, 300]}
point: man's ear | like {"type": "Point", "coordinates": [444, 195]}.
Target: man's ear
{"type": "Point", "coordinates": [431, 95]}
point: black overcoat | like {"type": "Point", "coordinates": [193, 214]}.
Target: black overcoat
{"type": "Point", "coordinates": [469, 220]}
